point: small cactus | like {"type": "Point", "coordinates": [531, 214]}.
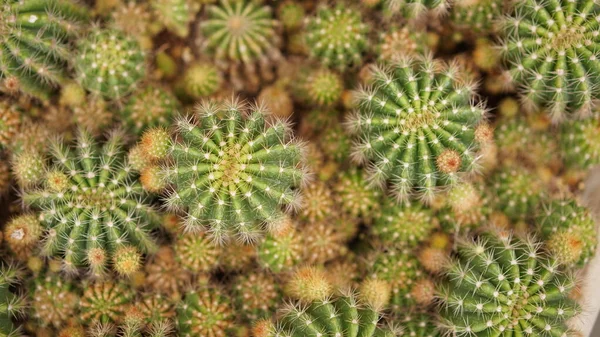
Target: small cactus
{"type": "Point", "coordinates": [398, 42]}
{"type": "Point", "coordinates": [150, 107]}
{"type": "Point", "coordinates": [355, 196]}
{"type": "Point", "coordinates": [336, 36]}
{"type": "Point", "coordinates": [239, 174]}
{"type": "Point", "coordinates": [110, 63]}
{"type": "Point", "coordinates": [477, 16]}
{"type": "Point", "coordinates": [504, 286]}
{"type": "Point", "coordinates": [255, 295]}
{"type": "Point", "coordinates": [281, 249]}
{"type": "Point", "coordinates": [165, 275]}
{"type": "Point", "coordinates": [320, 87]}
{"type": "Point", "coordinates": [34, 43]}
{"type": "Point", "coordinates": [516, 192]}
{"type": "Point", "coordinates": [54, 301]}
{"type": "Point", "coordinates": [319, 202]}
{"type": "Point", "coordinates": [417, 8]}
{"type": "Point", "coordinates": [466, 207]}
{"type": "Point", "coordinates": [550, 49]}
{"type": "Point", "coordinates": [417, 125]}
{"type": "Point", "coordinates": [204, 312]}
{"type": "Point", "coordinates": [175, 15]}
{"type": "Point", "coordinates": [11, 305]}
{"type": "Point", "coordinates": [10, 122]}
{"type": "Point", "coordinates": [105, 302]}
{"type": "Point", "coordinates": [291, 15]}
{"type": "Point", "coordinates": [403, 225]}
{"type": "Point", "coordinates": [322, 242]}
{"type": "Point", "coordinates": [91, 204]}
{"type": "Point", "coordinates": [196, 253]}
{"type": "Point", "coordinates": [201, 79]}
{"type": "Point", "coordinates": [22, 235]}
{"type": "Point", "coordinates": [417, 325]}
{"type": "Point", "coordinates": [277, 100]}
{"type": "Point", "coordinates": [579, 146]}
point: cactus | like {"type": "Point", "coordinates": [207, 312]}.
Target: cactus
{"type": "Point", "coordinates": [504, 286]}
{"type": "Point", "coordinates": [196, 253]}
{"type": "Point", "coordinates": [242, 36]}
{"type": "Point", "coordinates": [127, 260]}
{"type": "Point", "coordinates": [238, 257]}
{"type": "Point", "coordinates": [155, 307]}
{"type": "Point", "coordinates": [579, 146]}
{"type": "Point", "coordinates": [91, 204]}
{"type": "Point", "coordinates": [28, 168]}
{"type": "Point", "coordinates": [322, 242]}
{"type": "Point", "coordinates": [150, 107]}
{"type": "Point", "coordinates": [403, 225]}
{"type": "Point", "coordinates": [320, 87]}
{"type": "Point", "coordinates": [11, 305]}
{"type": "Point", "coordinates": [5, 176]}
{"type": "Point", "coordinates": [355, 196]}
{"type": "Point", "coordinates": [417, 325]}
{"type": "Point", "coordinates": [22, 234]}
{"type": "Point", "coordinates": [550, 47]}
{"type": "Point", "coordinates": [291, 15]}
{"type": "Point", "coordinates": [516, 192]}
{"type": "Point", "coordinates": [336, 36]}
{"type": "Point", "coordinates": [239, 173]}
{"type": "Point", "coordinates": [175, 15]}
{"type": "Point", "coordinates": [110, 63]}
{"type": "Point", "coordinates": [466, 207]}
{"type": "Point", "coordinates": [478, 16]}
{"type": "Point", "coordinates": [281, 249]}
{"type": "Point", "coordinates": [417, 124]}
{"type": "Point", "coordinates": [255, 295]}
{"type": "Point", "coordinates": [201, 79]}
{"type": "Point", "coordinates": [165, 275]}
{"type": "Point", "coordinates": [204, 312]}
{"type": "Point", "coordinates": [277, 100]}
{"type": "Point", "coordinates": [34, 43]}
{"type": "Point", "coordinates": [10, 122]}
{"type": "Point", "coordinates": [105, 302]}
{"type": "Point", "coordinates": [54, 301]}
{"type": "Point", "coordinates": [319, 202]}
{"type": "Point", "coordinates": [321, 313]}
{"type": "Point", "coordinates": [401, 41]}
{"type": "Point", "coordinates": [336, 143]}
{"type": "Point", "coordinates": [569, 231]}
{"type": "Point", "coordinates": [416, 9]}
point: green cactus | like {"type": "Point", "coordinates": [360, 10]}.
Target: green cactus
{"type": "Point", "coordinates": [320, 87]}
{"type": "Point", "coordinates": [417, 325]}
{"type": "Point", "coordinates": [242, 36]}
{"type": "Point", "coordinates": [155, 307]}
{"type": "Point", "coordinates": [336, 36]}
{"type": "Point", "coordinates": [175, 15]}
{"type": "Point", "coordinates": [11, 305]}
{"type": "Point", "coordinates": [34, 37]}
{"type": "Point", "coordinates": [91, 203]}
{"type": "Point", "coordinates": [105, 302]}
{"type": "Point", "coordinates": [255, 295]}
{"type": "Point", "coordinates": [569, 231]}
{"type": "Point", "coordinates": [403, 225]}
{"type": "Point", "coordinates": [54, 301]}
{"type": "Point", "coordinates": [204, 312]}
{"type": "Point", "coordinates": [196, 252]}
{"type": "Point", "coordinates": [22, 235]}
{"type": "Point", "coordinates": [282, 249]}
{"type": "Point", "coordinates": [579, 146]}
{"type": "Point", "coordinates": [417, 8]}
{"type": "Point", "coordinates": [150, 107]}
{"type": "Point", "coordinates": [164, 275]}
{"type": "Point", "coordinates": [401, 41]}
{"type": "Point", "coordinates": [355, 196]}
{"type": "Point", "coordinates": [323, 242]}
{"type": "Point", "coordinates": [500, 285]}
{"type": "Point", "coordinates": [335, 143]}
{"type": "Point", "coordinates": [516, 192]}
{"type": "Point", "coordinates": [319, 202]}
{"type": "Point", "coordinates": [417, 125]}
{"type": "Point", "coordinates": [201, 79]}
{"type": "Point", "coordinates": [466, 206]}
{"type": "Point", "coordinates": [291, 15]}
{"type": "Point", "coordinates": [551, 49]}
{"type": "Point", "coordinates": [477, 16]}
{"type": "Point", "coordinates": [110, 63]}
{"type": "Point", "coordinates": [233, 174]}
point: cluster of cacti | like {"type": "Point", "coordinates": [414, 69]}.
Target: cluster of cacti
{"type": "Point", "coordinates": [255, 168]}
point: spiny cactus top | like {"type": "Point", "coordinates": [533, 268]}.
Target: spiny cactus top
{"type": "Point", "coordinates": [579, 145]}
{"type": "Point", "coordinates": [10, 304]}
{"type": "Point", "coordinates": [33, 42]}
{"type": "Point", "coordinates": [503, 286]}
{"type": "Point", "coordinates": [477, 16]}
{"type": "Point", "coordinates": [91, 203]}
{"type": "Point", "coordinates": [336, 36]}
{"type": "Point", "coordinates": [417, 8]}
{"type": "Point", "coordinates": [110, 63]}
{"type": "Point", "coordinates": [417, 125]}
{"type": "Point", "coordinates": [232, 173]}
{"type": "Point", "coordinates": [552, 49]}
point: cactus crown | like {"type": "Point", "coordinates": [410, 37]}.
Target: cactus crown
{"type": "Point", "coordinates": [551, 47]}
{"type": "Point", "coordinates": [417, 126]}
{"type": "Point", "coordinates": [233, 173]}
{"type": "Point", "coordinates": [504, 286]}
{"type": "Point", "coordinates": [91, 203]}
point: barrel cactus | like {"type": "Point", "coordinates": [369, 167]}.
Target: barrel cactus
{"type": "Point", "coordinates": [417, 125]}
{"type": "Point", "coordinates": [205, 312]}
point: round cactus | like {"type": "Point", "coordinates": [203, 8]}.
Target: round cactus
{"type": "Point", "coordinates": [150, 107]}
{"type": "Point", "coordinates": [403, 225]}
{"type": "Point", "coordinates": [319, 202]}
{"type": "Point", "coordinates": [237, 257]}
{"type": "Point", "coordinates": [417, 8]}
{"type": "Point", "coordinates": [466, 207]}
{"type": "Point", "coordinates": [204, 312]}
{"type": "Point", "coordinates": [291, 15]}
{"type": "Point", "coordinates": [105, 302]}
{"type": "Point", "coordinates": [335, 143]}
{"type": "Point", "coordinates": [54, 301]}
{"type": "Point", "coordinates": [242, 34]}
{"type": "Point", "coordinates": [579, 146]}
{"type": "Point", "coordinates": [91, 203]}
{"type": "Point", "coordinates": [398, 42]}
{"type": "Point", "coordinates": [22, 234]}
{"type": "Point", "coordinates": [551, 48]}
{"type": "Point", "coordinates": [504, 286]}
{"type": "Point", "coordinates": [201, 79]}
{"type": "Point", "coordinates": [110, 63]}
{"type": "Point", "coordinates": [321, 87]}
{"type": "Point", "coordinates": [516, 192]}
{"type": "Point", "coordinates": [417, 325]}
{"type": "Point", "coordinates": [165, 275]}
{"type": "Point", "coordinates": [322, 242]}
{"type": "Point", "coordinates": [477, 16]}
{"type": "Point", "coordinates": [255, 295]}
{"type": "Point", "coordinates": [34, 43]}
{"type": "Point", "coordinates": [417, 125]}
{"type": "Point", "coordinates": [11, 305]}
{"type": "Point", "coordinates": [355, 196]}
{"type": "Point", "coordinates": [155, 307]}
{"type": "Point", "coordinates": [281, 249]}
{"type": "Point", "coordinates": [127, 260]}
{"type": "Point", "coordinates": [175, 15]}
{"type": "Point", "coordinates": [569, 231]}
{"type": "Point", "coordinates": [196, 253]}
{"type": "Point", "coordinates": [336, 36]}
{"type": "Point", "coordinates": [233, 174]}
{"type": "Point", "coordinates": [277, 99]}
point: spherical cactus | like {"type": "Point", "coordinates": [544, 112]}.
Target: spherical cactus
{"type": "Point", "coordinates": [54, 301]}
{"type": "Point", "coordinates": [22, 234]}
{"type": "Point", "coordinates": [319, 202]}
{"type": "Point", "coordinates": [466, 206]}
{"type": "Point", "coordinates": [91, 203]}
{"type": "Point", "coordinates": [325, 314]}
{"type": "Point", "coordinates": [255, 295]}
{"type": "Point", "coordinates": [321, 87]}
{"type": "Point", "coordinates": [504, 286]}
{"type": "Point", "coordinates": [516, 192]}
{"type": "Point", "coordinates": [569, 231]}
{"type": "Point", "coordinates": [201, 79]}
{"type": "Point", "coordinates": [175, 15]}
{"type": "Point", "coordinates": [196, 253]}
{"type": "Point", "coordinates": [277, 99]}
{"type": "Point", "coordinates": [238, 257]}
{"type": "Point", "coordinates": [417, 125]}
{"type": "Point", "coordinates": [150, 107]}
{"type": "Point", "coordinates": [204, 312]}
{"type": "Point", "coordinates": [579, 146]}
{"type": "Point", "coordinates": [110, 63]}
{"type": "Point", "coordinates": [336, 36]}
{"type": "Point", "coordinates": [417, 8]}
{"type": "Point", "coordinates": [11, 305]}
{"type": "Point", "coordinates": [233, 174]}
{"type": "Point", "coordinates": [400, 42]}
{"type": "Point", "coordinates": [417, 325]}
{"type": "Point", "coordinates": [281, 249]}
{"type": "Point", "coordinates": [550, 47]}
{"type": "Point", "coordinates": [322, 242]}
{"type": "Point", "coordinates": [403, 225]}
{"type": "Point", "coordinates": [355, 196]}
{"type": "Point", "coordinates": [242, 36]}
{"type": "Point", "coordinates": [477, 16]}
{"type": "Point", "coordinates": [291, 15]}
{"type": "Point", "coordinates": [127, 260]}
{"type": "Point", "coordinates": [105, 302]}
{"type": "Point", "coordinates": [155, 307]}
{"type": "Point", "coordinates": [28, 168]}
{"type": "Point", "coordinates": [34, 43]}
{"type": "Point", "coordinates": [336, 143]}
{"type": "Point", "coordinates": [165, 275]}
